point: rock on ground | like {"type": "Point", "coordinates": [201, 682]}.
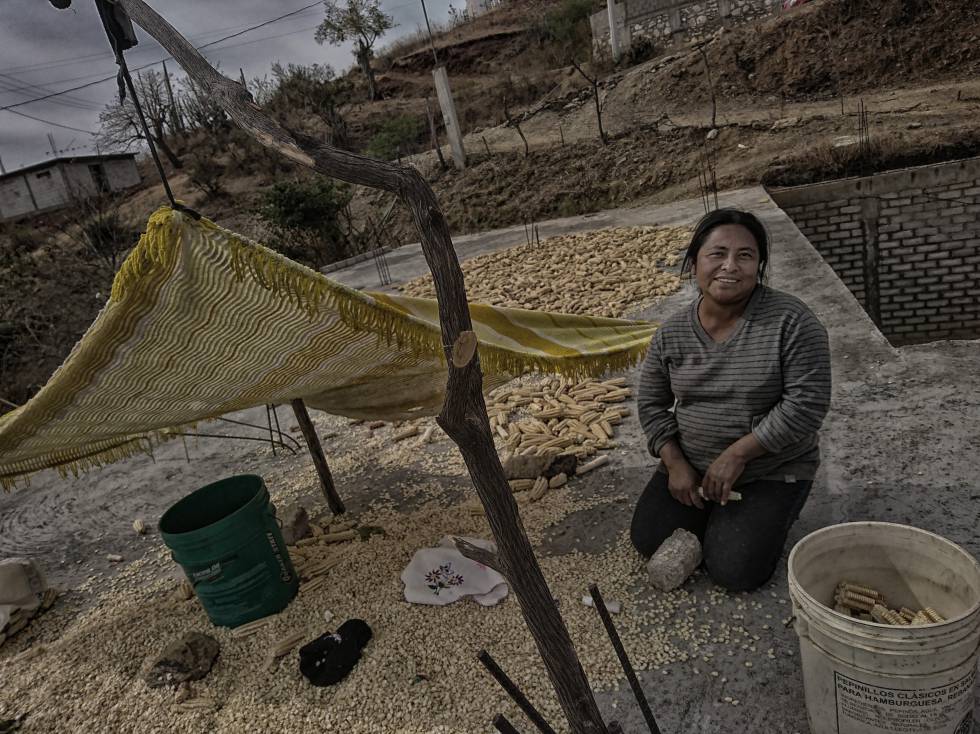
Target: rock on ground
{"type": "Point", "coordinates": [532, 467]}
{"type": "Point", "coordinates": [295, 524]}
{"type": "Point", "coordinates": [189, 658]}
{"type": "Point", "coordinates": [675, 560]}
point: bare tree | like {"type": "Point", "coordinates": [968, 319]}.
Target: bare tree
{"type": "Point", "coordinates": [594, 82]}
{"type": "Point", "coordinates": [201, 110]}
{"type": "Point", "coordinates": [516, 124]}
{"type": "Point", "coordinates": [567, 28]}
{"type": "Point", "coordinates": [360, 21]}
{"type": "Point", "coordinates": [120, 126]}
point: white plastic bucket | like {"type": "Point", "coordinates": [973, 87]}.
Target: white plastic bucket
{"type": "Point", "coordinates": [868, 678]}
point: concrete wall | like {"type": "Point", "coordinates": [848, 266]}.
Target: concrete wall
{"type": "Point", "coordinates": [49, 188]}
{"type": "Point", "coordinates": [906, 243]}
{"type": "Point", "coordinates": [15, 198]}
{"type": "Point", "coordinates": [122, 173]}
{"type": "Point", "coordinates": [55, 187]}
{"type": "Point", "coordinates": [661, 21]}
{"type": "Point", "coordinates": [79, 179]}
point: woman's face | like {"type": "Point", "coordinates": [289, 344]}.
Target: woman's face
{"type": "Point", "coordinates": [727, 265]}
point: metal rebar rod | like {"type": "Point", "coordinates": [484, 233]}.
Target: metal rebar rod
{"type": "Point", "coordinates": [282, 436]}
{"type": "Point", "coordinates": [624, 660]}
{"type": "Point", "coordinates": [514, 692]}
{"type": "Point", "coordinates": [236, 438]}
{"type": "Point", "coordinates": [501, 724]}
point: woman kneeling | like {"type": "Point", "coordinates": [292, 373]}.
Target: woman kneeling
{"type": "Point", "coordinates": [732, 393]}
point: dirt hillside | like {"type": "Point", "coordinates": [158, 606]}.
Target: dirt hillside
{"type": "Point", "coordinates": [787, 91]}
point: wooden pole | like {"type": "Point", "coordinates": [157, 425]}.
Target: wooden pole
{"type": "Point", "coordinates": [319, 460]}
{"type": "Point", "coordinates": [464, 412]}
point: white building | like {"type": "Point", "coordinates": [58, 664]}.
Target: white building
{"type": "Point", "coordinates": [57, 182]}
{"type": "Point", "coordinates": [479, 7]}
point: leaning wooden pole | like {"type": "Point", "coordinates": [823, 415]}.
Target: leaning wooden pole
{"type": "Point", "coordinates": [464, 414]}
{"type": "Point", "coordinates": [319, 460]}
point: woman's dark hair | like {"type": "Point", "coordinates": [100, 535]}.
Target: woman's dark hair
{"type": "Point", "coordinates": [727, 216]}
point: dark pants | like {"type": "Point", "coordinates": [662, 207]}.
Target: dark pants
{"type": "Point", "coordinates": [741, 542]}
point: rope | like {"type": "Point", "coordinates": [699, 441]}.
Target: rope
{"type": "Point", "coordinates": [111, 18]}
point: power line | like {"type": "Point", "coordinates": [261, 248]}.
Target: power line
{"type": "Point", "coordinates": [260, 25]}
{"type": "Point", "coordinates": [104, 54]}
{"type": "Point", "coordinates": [49, 122]}
{"type": "Point", "coordinates": [20, 86]}
{"type": "Point", "coordinates": [146, 66]}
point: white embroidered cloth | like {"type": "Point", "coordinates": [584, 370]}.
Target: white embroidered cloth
{"type": "Point", "coordinates": [443, 575]}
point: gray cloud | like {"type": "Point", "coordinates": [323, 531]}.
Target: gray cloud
{"type": "Point", "coordinates": [43, 50]}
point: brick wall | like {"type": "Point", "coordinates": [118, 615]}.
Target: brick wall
{"type": "Point", "coordinates": [661, 21]}
{"type": "Point", "coordinates": [906, 243]}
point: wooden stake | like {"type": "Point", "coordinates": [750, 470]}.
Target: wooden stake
{"type": "Point", "coordinates": [319, 460]}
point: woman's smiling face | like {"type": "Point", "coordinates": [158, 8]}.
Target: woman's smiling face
{"type": "Point", "coordinates": [727, 265]}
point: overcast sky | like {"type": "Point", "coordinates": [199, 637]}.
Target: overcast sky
{"type": "Point", "coordinates": [44, 50]}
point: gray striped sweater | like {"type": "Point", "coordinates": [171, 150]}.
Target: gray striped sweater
{"type": "Point", "coordinates": [770, 377]}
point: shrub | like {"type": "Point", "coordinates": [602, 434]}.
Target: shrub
{"type": "Point", "coordinates": [397, 135]}
{"type": "Point", "coordinates": [567, 29]}
{"type": "Point", "coordinates": [305, 219]}
{"type": "Point", "coordinates": [107, 236]}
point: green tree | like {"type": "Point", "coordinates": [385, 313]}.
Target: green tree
{"type": "Point", "coordinates": [306, 220]}
{"type": "Point", "coordinates": [360, 21]}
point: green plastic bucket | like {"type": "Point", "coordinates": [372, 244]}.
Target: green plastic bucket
{"type": "Point", "coordinates": [226, 538]}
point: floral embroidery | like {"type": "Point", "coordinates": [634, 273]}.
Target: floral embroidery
{"type": "Point", "coordinates": [442, 578]}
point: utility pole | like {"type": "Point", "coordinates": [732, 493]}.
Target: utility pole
{"type": "Point", "coordinates": [613, 30]}
{"type": "Point", "coordinates": [446, 103]}
{"type": "Point", "coordinates": [241, 75]}
{"type": "Point", "coordinates": [175, 121]}
{"type": "Point", "coordinates": [2, 169]}
{"type": "Point", "coordinates": [54, 148]}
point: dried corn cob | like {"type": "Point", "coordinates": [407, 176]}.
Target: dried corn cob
{"type": "Point", "coordinates": [539, 489]}
{"type": "Point", "coordinates": [559, 480]}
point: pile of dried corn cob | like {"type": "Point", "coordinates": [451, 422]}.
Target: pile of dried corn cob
{"type": "Point", "coordinates": [558, 417]}
{"type": "Point", "coordinates": [608, 272]}
{"type": "Point", "coordinates": [310, 556]}
{"type": "Point", "coordinates": [869, 605]}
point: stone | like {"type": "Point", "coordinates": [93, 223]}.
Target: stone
{"type": "Point", "coordinates": [22, 583]}
{"type": "Point", "coordinates": [295, 524]}
{"type": "Point", "coordinates": [189, 658]}
{"type": "Point", "coordinates": [712, 134]}
{"type": "Point", "coordinates": [532, 467]}
{"type": "Point", "coordinates": [561, 465]}
{"type": "Point", "coordinates": [786, 122]}
{"type": "Point", "coordinates": [526, 467]}
{"type": "Point", "coordinates": [675, 560]}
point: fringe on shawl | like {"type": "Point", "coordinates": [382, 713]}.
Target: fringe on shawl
{"type": "Point", "coordinates": [310, 291]}
{"type": "Point", "coordinates": [69, 464]}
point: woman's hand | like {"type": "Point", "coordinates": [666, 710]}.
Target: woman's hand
{"type": "Point", "coordinates": [683, 482]}
{"type": "Point", "coordinates": [722, 475]}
